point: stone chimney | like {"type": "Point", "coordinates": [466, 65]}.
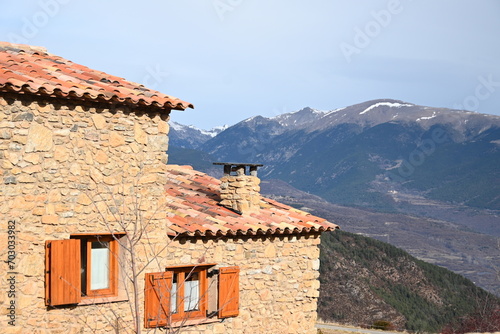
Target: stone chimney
{"type": "Point", "coordinates": [239, 190]}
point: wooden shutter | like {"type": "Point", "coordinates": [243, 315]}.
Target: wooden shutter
{"type": "Point", "coordinates": [62, 272]}
{"type": "Point", "coordinates": [157, 299]}
{"type": "Point", "coordinates": [213, 288]}
{"type": "Point", "coordinates": [229, 292]}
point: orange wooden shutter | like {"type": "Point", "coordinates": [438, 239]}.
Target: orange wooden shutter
{"type": "Point", "coordinates": [62, 272]}
{"type": "Point", "coordinates": [157, 299]}
{"type": "Point", "coordinates": [229, 292]}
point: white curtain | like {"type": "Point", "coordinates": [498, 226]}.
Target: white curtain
{"type": "Point", "coordinates": [173, 297]}
{"type": "Point", "coordinates": [99, 272]}
{"type": "Point", "coordinates": [191, 295]}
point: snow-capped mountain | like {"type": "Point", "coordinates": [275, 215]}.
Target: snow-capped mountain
{"type": "Point", "coordinates": [189, 136]}
{"type": "Point", "coordinates": [372, 113]}
{"type": "Point", "coordinates": [361, 154]}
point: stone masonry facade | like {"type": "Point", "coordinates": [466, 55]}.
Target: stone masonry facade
{"type": "Point", "coordinates": [69, 168]}
{"type": "Point", "coordinates": [81, 167]}
{"type": "Point", "coordinates": [278, 281]}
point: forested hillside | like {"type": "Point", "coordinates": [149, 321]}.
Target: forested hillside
{"type": "Point", "coordinates": [364, 280]}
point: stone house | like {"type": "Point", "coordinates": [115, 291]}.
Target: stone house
{"type": "Point", "coordinates": [101, 235]}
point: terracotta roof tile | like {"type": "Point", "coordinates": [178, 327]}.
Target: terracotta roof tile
{"type": "Point", "coordinates": [29, 69]}
{"type": "Point", "coordinates": [193, 210]}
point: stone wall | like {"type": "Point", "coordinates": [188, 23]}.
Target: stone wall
{"type": "Point", "coordinates": [278, 281]}
{"type": "Point", "coordinates": [68, 169]}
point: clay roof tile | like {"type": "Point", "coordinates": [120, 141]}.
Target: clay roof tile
{"type": "Point", "coordinates": [193, 211]}
{"type": "Point", "coordinates": [32, 69]}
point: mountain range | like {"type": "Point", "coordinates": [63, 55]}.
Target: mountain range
{"type": "Point", "coordinates": [403, 165]}
{"type": "Point", "coordinates": [364, 154]}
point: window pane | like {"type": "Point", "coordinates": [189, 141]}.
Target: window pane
{"type": "Point", "coordinates": [173, 295]}
{"type": "Point", "coordinates": [99, 271]}
{"type": "Point", "coordinates": [191, 292]}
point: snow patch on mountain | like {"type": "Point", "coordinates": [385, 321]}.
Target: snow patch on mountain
{"type": "Point", "coordinates": [294, 113]}
{"type": "Point", "coordinates": [185, 128]}
{"type": "Point", "coordinates": [496, 142]}
{"type": "Point", "coordinates": [298, 118]}
{"type": "Point", "coordinates": [387, 104]}
{"type": "Point", "coordinates": [215, 130]}
{"type": "Point", "coordinates": [177, 127]}
{"type": "Point", "coordinates": [427, 117]}
{"type": "Point", "coordinates": [249, 119]}
{"type": "Point", "coordinates": [334, 111]}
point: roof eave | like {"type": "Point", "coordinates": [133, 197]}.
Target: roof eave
{"type": "Point", "coordinates": [114, 100]}
{"type": "Point", "coordinates": [250, 232]}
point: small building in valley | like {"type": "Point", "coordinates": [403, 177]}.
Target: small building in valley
{"type": "Point", "coordinates": [102, 235]}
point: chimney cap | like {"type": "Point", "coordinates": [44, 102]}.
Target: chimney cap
{"type": "Point", "coordinates": [235, 166]}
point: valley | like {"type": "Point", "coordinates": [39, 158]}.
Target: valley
{"type": "Point", "coordinates": [443, 242]}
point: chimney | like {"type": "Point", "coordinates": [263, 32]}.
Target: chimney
{"type": "Point", "coordinates": [239, 190]}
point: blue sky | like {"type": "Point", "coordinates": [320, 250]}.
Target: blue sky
{"type": "Point", "coordinates": [234, 59]}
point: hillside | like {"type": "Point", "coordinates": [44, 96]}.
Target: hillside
{"type": "Point", "coordinates": [364, 280]}
{"type": "Point", "coordinates": [446, 243]}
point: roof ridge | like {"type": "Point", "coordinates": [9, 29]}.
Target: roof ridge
{"type": "Point", "coordinates": [22, 47]}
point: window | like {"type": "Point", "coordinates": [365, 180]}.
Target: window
{"type": "Point", "coordinates": [188, 296]}
{"type": "Point", "coordinates": [185, 293]}
{"type": "Point", "coordinates": [99, 266]}
{"type": "Point", "coordinates": [82, 268]}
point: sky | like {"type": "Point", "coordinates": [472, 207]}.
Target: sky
{"type": "Point", "coordinates": [235, 59]}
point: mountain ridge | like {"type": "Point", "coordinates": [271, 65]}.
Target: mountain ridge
{"type": "Point", "coordinates": [375, 112]}
{"type": "Point", "coordinates": [380, 137]}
